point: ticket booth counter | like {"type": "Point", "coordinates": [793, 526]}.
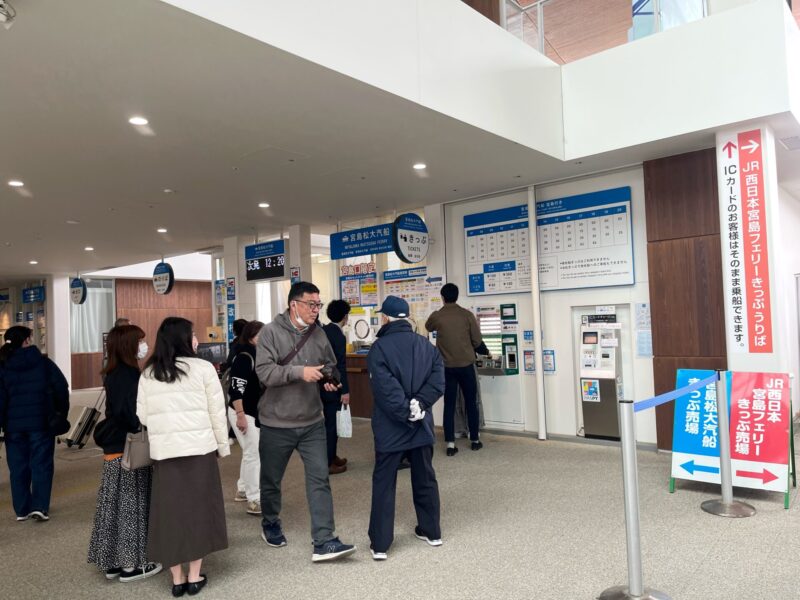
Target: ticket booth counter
{"type": "Point", "coordinates": [360, 390]}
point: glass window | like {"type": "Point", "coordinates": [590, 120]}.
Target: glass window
{"type": "Point", "coordinates": [92, 318]}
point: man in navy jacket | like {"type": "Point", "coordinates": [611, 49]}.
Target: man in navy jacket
{"type": "Point", "coordinates": [407, 378]}
{"type": "Point", "coordinates": [332, 401]}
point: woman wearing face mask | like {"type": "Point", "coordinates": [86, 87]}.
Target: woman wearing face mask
{"type": "Point", "coordinates": [119, 538]}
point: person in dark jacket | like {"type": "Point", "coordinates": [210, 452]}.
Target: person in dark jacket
{"type": "Point", "coordinates": [118, 544]}
{"type": "Point", "coordinates": [407, 378]}
{"type": "Point", "coordinates": [34, 395]}
{"type": "Point", "coordinates": [233, 349]}
{"type": "Point", "coordinates": [332, 402]}
{"type": "Point", "coordinates": [243, 396]}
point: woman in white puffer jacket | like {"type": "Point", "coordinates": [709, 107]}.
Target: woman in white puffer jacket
{"type": "Point", "coordinates": [180, 402]}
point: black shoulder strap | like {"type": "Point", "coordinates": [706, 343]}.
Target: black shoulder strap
{"type": "Point", "coordinates": [288, 358]}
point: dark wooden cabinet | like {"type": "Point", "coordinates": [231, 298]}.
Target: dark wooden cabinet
{"type": "Point", "coordinates": [360, 390]}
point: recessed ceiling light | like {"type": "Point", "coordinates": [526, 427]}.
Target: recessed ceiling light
{"type": "Point", "coordinates": [73, 222]}
{"type": "Point", "coordinates": [34, 262]}
{"type": "Point", "coordinates": [138, 121]}
{"type": "Point", "coordinates": [169, 191]}
{"type": "Point", "coordinates": [263, 205]}
{"type": "Point", "coordinates": [15, 183]}
{"type": "Point", "coordinates": [161, 230]}
{"type": "Point", "coordinates": [420, 166]}
{"type": "Point", "coordinates": [89, 249]}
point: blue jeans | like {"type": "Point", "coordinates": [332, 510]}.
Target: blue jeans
{"type": "Point", "coordinates": [30, 466]}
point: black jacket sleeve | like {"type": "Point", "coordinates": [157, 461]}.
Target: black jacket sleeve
{"type": "Point", "coordinates": [241, 368]}
{"type": "Point", "coordinates": [340, 350]}
{"type": "Point", "coordinates": [122, 389]}
{"type": "Point", "coordinates": [59, 386]}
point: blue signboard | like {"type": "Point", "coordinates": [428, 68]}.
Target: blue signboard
{"type": "Point", "coordinates": [410, 238]}
{"type": "Point", "coordinates": [20, 316]}
{"type": "Point", "coordinates": [33, 294]}
{"type": "Point", "coordinates": [163, 278]}
{"type": "Point", "coordinates": [4, 295]}
{"type": "Point", "coordinates": [376, 239]}
{"type": "Point", "coordinates": [77, 291]}
{"type": "Point", "coordinates": [231, 319]}
{"type": "Point", "coordinates": [266, 260]}
{"type": "Point", "coordinates": [695, 433]}
{"type": "Point", "coordinates": [29, 317]}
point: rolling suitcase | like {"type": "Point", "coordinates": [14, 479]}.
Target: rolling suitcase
{"type": "Point", "coordinates": [88, 419]}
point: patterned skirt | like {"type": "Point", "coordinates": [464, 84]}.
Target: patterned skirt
{"type": "Point", "coordinates": [119, 536]}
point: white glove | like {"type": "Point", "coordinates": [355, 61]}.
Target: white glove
{"type": "Point", "coordinates": [417, 413]}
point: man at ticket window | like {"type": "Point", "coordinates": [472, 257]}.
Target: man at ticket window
{"type": "Point", "coordinates": [457, 338]}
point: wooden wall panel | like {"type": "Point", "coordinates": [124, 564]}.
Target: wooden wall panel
{"type": "Point", "coordinates": [488, 8]}
{"type": "Point", "coordinates": [137, 300]}
{"type": "Point", "coordinates": [86, 370]}
{"type": "Point", "coordinates": [681, 196]}
{"type": "Point", "coordinates": [685, 272]}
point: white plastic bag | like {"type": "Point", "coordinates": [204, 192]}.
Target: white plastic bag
{"type": "Point", "coordinates": [344, 424]}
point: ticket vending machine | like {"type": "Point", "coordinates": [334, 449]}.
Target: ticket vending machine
{"type": "Point", "coordinates": [600, 379]}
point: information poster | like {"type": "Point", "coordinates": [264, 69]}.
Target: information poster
{"type": "Point", "coordinates": [415, 287]}
{"type": "Point", "coordinates": [549, 362]}
{"type": "Point", "coordinates": [585, 241]}
{"type": "Point", "coordinates": [644, 333]}
{"type": "Point", "coordinates": [358, 284]}
{"type": "Point", "coordinates": [529, 362]}
{"type": "Point", "coordinates": [497, 251]}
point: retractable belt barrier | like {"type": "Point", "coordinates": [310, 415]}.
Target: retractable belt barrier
{"type": "Point", "coordinates": [664, 398]}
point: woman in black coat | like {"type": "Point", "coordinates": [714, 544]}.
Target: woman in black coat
{"type": "Point", "coordinates": [119, 538]}
{"type": "Point", "coordinates": [34, 402]}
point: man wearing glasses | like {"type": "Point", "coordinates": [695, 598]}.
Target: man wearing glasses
{"type": "Point", "coordinates": [293, 361]}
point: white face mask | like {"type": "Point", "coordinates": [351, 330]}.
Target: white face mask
{"type": "Point", "coordinates": [298, 318]}
{"type": "Point", "coordinates": [142, 350]}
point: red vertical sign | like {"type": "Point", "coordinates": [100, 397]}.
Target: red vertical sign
{"type": "Point", "coordinates": [754, 237]}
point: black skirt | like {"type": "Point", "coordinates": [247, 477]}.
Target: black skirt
{"type": "Point", "coordinates": [187, 510]}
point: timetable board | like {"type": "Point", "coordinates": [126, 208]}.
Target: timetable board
{"type": "Point", "coordinates": [584, 241]}
{"type": "Point", "coordinates": [497, 251]}
{"type": "Point", "coordinates": [413, 285]}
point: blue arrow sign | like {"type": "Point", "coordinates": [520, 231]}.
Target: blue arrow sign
{"type": "Point", "coordinates": [691, 468]}
{"type": "Point", "coordinates": [433, 279]}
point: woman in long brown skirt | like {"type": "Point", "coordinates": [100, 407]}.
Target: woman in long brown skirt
{"type": "Point", "coordinates": [180, 402]}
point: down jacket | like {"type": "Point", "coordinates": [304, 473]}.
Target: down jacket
{"type": "Point", "coordinates": [402, 366]}
{"type": "Point", "coordinates": [187, 417]}
{"type": "Point", "coordinates": [31, 387]}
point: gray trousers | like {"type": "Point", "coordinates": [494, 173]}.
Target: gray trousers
{"type": "Point", "coordinates": [275, 447]}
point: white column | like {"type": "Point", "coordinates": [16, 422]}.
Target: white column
{"type": "Point", "coordinates": [245, 302]}
{"type": "Point", "coordinates": [538, 336]}
{"type": "Point", "coordinates": [436, 262]}
{"type": "Point", "coordinates": [57, 315]}
{"type": "Point", "coordinates": [300, 250]}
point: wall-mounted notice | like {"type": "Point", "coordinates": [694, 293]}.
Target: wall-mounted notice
{"type": "Point", "coordinates": [230, 288]}
{"type": "Point", "coordinates": [358, 284]}
{"type": "Point", "coordinates": [219, 291]}
{"type": "Point", "coordinates": [644, 334]}
{"type": "Point", "coordinates": [415, 287]}
{"type": "Point", "coordinates": [231, 313]}
{"type": "Point", "coordinates": [549, 362]}
{"type": "Point", "coordinates": [585, 241]}
{"type": "Point", "coordinates": [498, 251]}
{"type": "Point", "coordinates": [529, 362]}
{"type": "Point", "coordinates": [741, 175]}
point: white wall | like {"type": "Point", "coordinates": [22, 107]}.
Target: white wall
{"type": "Point", "coordinates": [561, 389]}
{"type": "Point", "coordinates": [789, 267]}
{"type": "Point", "coordinates": [187, 267]}
{"type": "Point", "coordinates": [727, 68]}
{"type": "Point", "coordinates": [792, 40]}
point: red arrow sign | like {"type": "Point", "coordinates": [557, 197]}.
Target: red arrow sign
{"type": "Point", "coordinates": [729, 148]}
{"type": "Point", "coordinates": [765, 476]}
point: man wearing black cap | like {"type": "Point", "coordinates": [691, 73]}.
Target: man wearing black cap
{"type": "Point", "coordinates": [407, 378]}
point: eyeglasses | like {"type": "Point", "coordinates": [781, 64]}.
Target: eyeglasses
{"type": "Point", "coordinates": [312, 305]}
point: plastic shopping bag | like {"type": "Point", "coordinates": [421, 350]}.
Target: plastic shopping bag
{"type": "Point", "coordinates": [344, 424]}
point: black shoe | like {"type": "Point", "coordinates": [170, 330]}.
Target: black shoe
{"type": "Point", "coordinates": [452, 451]}
{"type": "Point", "coordinates": [273, 534]}
{"type": "Point", "coordinates": [404, 464]}
{"type": "Point", "coordinates": [477, 445]}
{"type": "Point", "coordinates": [148, 570]}
{"type": "Point", "coordinates": [39, 515]}
{"type": "Point", "coordinates": [194, 588]}
{"type": "Point", "coordinates": [179, 589]}
{"type": "Point", "coordinates": [332, 550]}
{"type": "Point", "coordinates": [113, 573]}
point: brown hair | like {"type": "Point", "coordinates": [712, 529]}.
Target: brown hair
{"type": "Point", "coordinates": [250, 331]}
{"type": "Point", "coordinates": [123, 346]}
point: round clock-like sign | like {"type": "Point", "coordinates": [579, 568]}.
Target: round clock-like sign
{"type": "Point", "coordinates": [163, 278]}
{"type": "Point", "coordinates": [77, 291]}
{"type": "Point", "coordinates": [410, 238]}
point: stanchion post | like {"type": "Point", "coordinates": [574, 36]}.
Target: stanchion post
{"type": "Point", "coordinates": [630, 483]}
{"type": "Point", "coordinates": [726, 507]}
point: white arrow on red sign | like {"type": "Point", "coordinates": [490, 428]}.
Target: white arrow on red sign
{"type": "Point", "coordinates": [765, 476]}
{"type": "Point", "coordinates": [752, 146]}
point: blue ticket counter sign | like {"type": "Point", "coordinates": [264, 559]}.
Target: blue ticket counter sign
{"type": "Point", "coordinates": [695, 436]}
{"type": "Point", "coordinates": [33, 294]}
{"type": "Point", "coordinates": [376, 239]}
{"type": "Point", "coordinates": [265, 261]}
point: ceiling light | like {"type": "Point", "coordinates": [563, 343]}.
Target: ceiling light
{"type": "Point", "coordinates": [34, 262]}
{"type": "Point", "coordinates": [161, 230]}
{"type": "Point", "coordinates": [263, 205]}
{"type": "Point", "coordinates": [420, 166]}
{"type": "Point", "coordinates": [15, 183]}
{"type": "Point", "coordinates": [169, 191]}
{"type": "Point", "coordinates": [89, 249]}
{"type": "Point", "coordinates": [73, 222]}
{"type": "Point", "coordinates": [138, 121]}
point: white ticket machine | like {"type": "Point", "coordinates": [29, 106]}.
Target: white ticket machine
{"type": "Point", "coordinates": [600, 379]}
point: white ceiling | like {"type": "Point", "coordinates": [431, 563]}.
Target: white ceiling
{"type": "Point", "coordinates": [236, 122]}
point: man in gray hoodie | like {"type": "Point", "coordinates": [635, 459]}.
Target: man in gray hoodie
{"type": "Point", "coordinates": [293, 360]}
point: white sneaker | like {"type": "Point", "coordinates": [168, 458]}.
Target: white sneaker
{"type": "Point", "coordinates": [39, 515]}
{"type": "Point", "coordinates": [421, 536]}
{"type": "Point", "coordinates": [240, 497]}
{"type": "Point", "coordinates": [254, 508]}
{"type": "Point", "coordinates": [378, 555]}
{"type": "Point", "coordinates": [23, 518]}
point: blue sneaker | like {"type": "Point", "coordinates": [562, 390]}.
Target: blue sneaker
{"type": "Point", "coordinates": [332, 550]}
{"type": "Point", "coordinates": [273, 534]}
